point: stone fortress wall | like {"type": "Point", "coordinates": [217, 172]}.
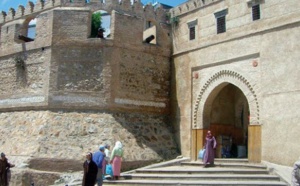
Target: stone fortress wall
{"type": "Point", "coordinates": [65, 93]}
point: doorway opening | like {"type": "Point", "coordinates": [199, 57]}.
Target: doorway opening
{"type": "Point", "coordinates": [229, 120]}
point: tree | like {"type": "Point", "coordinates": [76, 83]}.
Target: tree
{"type": "Point", "coordinates": [96, 23]}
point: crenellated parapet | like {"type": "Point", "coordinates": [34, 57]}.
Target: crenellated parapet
{"type": "Point", "coordinates": [31, 9]}
{"type": "Point", "coordinates": [123, 6]}
{"type": "Point", "coordinates": [190, 6]}
{"type": "Point", "coordinates": [57, 21]}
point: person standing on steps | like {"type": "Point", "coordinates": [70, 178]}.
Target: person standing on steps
{"type": "Point", "coordinates": [116, 159]}
{"type": "Point", "coordinates": [98, 158]}
{"type": "Point", "coordinates": [90, 171]}
{"type": "Point", "coordinates": [5, 170]}
{"type": "Point", "coordinates": [107, 153]}
{"type": "Point", "coordinates": [210, 146]}
{"type": "Point", "coordinates": [107, 157]}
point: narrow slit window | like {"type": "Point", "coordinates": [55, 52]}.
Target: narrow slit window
{"type": "Point", "coordinates": [149, 24]}
{"type": "Point", "coordinates": [255, 12]}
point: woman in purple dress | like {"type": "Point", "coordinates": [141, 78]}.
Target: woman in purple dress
{"type": "Point", "coordinates": [210, 146]}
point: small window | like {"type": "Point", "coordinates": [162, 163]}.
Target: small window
{"type": "Point", "coordinates": [221, 25]}
{"type": "Point", "coordinates": [255, 12]}
{"type": "Point", "coordinates": [192, 33]}
{"type": "Point", "coordinates": [31, 29]}
{"type": "Point", "coordinates": [221, 21]}
{"type": "Point", "coordinates": [192, 29]}
{"type": "Point", "coordinates": [149, 24]}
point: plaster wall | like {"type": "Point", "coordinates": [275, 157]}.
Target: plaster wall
{"type": "Point", "coordinates": [264, 53]}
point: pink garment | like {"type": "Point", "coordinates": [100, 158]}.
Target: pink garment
{"type": "Point", "coordinates": [210, 146]}
{"type": "Point", "coordinates": [116, 165]}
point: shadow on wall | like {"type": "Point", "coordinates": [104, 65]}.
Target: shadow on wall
{"type": "Point", "coordinates": [150, 132]}
{"type": "Point", "coordinates": [174, 108]}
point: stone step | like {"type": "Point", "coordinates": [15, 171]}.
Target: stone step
{"type": "Point", "coordinates": [201, 170]}
{"type": "Point", "coordinates": [191, 183]}
{"type": "Point", "coordinates": [235, 172]}
{"type": "Point", "coordinates": [226, 164]}
{"type": "Point", "coordinates": [256, 177]}
{"type": "Point", "coordinates": [235, 160]}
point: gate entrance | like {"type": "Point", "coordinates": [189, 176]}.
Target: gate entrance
{"type": "Point", "coordinates": [229, 120]}
{"type": "Point", "coordinates": [227, 105]}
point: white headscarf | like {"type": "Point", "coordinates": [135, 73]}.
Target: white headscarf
{"type": "Point", "coordinates": [118, 145]}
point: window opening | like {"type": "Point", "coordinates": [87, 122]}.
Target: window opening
{"type": "Point", "coordinates": [192, 29]}
{"type": "Point", "coordinates": [221, 21]}
{"type": "Point", "coordinates": [192, 33]}
{"type": "Point", "coordinates": [100, 27]}
{"type": "Point", "coordinates": [149, 34]}
{"type": "Point", "coordinates": [255, 12]}
{"type": "Point", "coordinates": [149, 24]}
{"type": "Point", "coordinates": [31, 32]}
{"type": "Point", "coordinates": [28, 31]}
{"type": "Point", "coordinates": [105, 24]}
{"type": "Point", "coordinates": [221, 25]}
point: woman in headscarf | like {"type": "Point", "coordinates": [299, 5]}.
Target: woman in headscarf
{"type": "Point", "coordinates": [116, 159]}
{"type": "Point", "coordinates": [210, 146]}
{"type": "Point", "coordinates": [90, 171]}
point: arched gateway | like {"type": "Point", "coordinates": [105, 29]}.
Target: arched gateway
{"type": "Point", "coordinates": [228, 105]}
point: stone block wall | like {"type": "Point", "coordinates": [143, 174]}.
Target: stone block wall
{"type": "Point", "coordinates": [69, 135]}
{"type": "Point", "coordinates": [24, 78]}
{"type": "Point", "coordinates": [76, 92]}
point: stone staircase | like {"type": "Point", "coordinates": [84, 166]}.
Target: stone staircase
{"type": "Point", "coordinates": [187, 173]}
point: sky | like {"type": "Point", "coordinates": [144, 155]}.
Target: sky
{"type": "Point", "coordinates": [5, 5]}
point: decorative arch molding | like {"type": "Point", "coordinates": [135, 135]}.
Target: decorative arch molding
{"type": "Point", "coordinates": [215, 83]}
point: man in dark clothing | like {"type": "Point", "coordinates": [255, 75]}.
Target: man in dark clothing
{"type": "Point", "coordinates": [4, 170]}
{"type": "Point", "coordinates": [100, 33]}
{"type": "Point", "coordinates": [90, 171]}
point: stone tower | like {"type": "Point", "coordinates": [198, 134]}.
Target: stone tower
{"type": "Point", "coordinates": [64, 93]}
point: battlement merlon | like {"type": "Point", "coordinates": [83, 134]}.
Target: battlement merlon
{"type": "Point", "coordinates": [124, 6]}
{"type": "Point", "coordinates": [190, 6]}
